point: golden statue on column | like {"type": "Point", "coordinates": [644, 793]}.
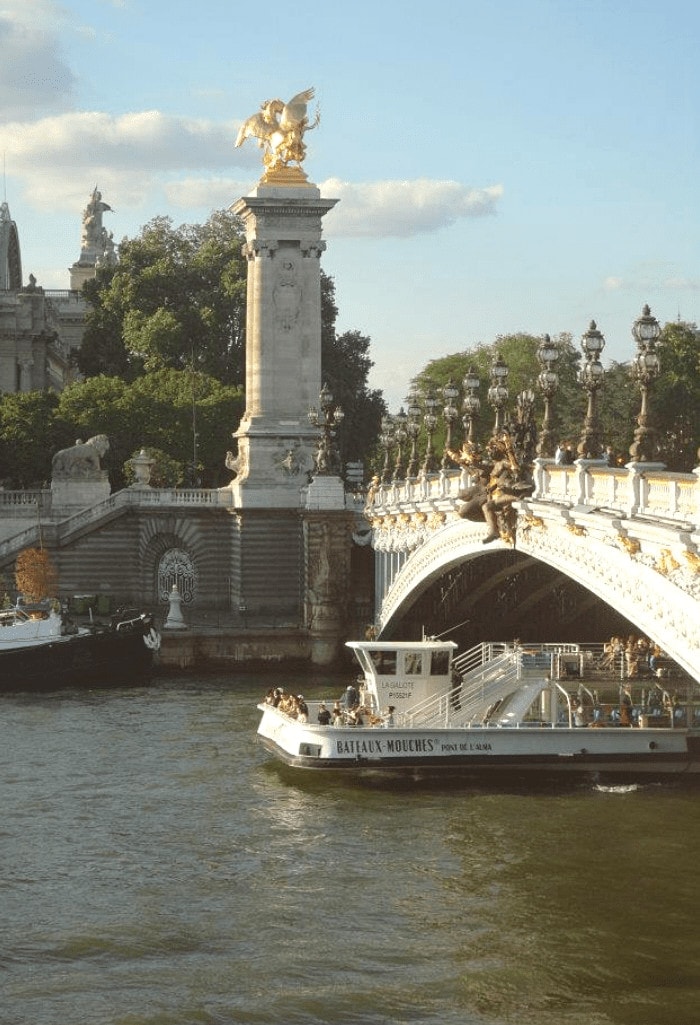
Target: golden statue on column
{"type": "Point", "coordinates": [279, 128]}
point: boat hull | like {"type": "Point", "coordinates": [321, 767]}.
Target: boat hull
{"type": "Point", "coordinates": [487, 752]}
{"type": "Point", "coordinates": [98, 657]}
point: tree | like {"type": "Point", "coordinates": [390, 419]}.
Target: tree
{"type": "Point", "coordinates": [28, 437]}
{"type": "Point", "coordinates": [163, 410]}
{"type": "Point", "coordinates": [345, 366]}
{"type": "Point", "coordinates": [35, 574]}
{"type": "Point", "coordinates": [176, 299]}
{"type": "Point", "coordinates": [675, 397]}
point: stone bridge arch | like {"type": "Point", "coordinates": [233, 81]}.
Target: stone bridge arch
{"type": "Point", "coordinates": [655, 590]}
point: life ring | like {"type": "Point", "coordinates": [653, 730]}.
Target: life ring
{"type": "Point", "coordinates": [152, 639]}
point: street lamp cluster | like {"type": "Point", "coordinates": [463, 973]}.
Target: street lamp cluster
{"type": "Point", "coordinates": [400, 433]}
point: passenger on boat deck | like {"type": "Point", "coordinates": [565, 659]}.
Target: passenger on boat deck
{"type": "Point", "coordinates": [389, 719]}
{"type": "Point", "coordinates": [355, 717]}
{"type": "Point", "coordinates": [276, 696]}
{"type": "Point", "coordinates": [270, 697]}
{"type": "Point", "coordinates": [324, 716]}
{"type": "Point", "coordinates": [351, 698]}
{"type": "Point", "coordinates": [580, 718]}
{"type": "Point", "coordinates": [338, 715]}
{"type": "Point", "coordinates": [302, 709]}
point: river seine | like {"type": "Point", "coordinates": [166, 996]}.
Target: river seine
{"type": "Point", "coordinates": [159, 869]}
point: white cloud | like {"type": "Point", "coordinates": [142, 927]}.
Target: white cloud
{"type": "Point", "coordinates": [129, 154]}
{"type": "Point", "coordinates": [34, 77]}
{"type": "Point", "coordinates": [404, 208]}
{"type": "Point", "coordinates": [137, 155]}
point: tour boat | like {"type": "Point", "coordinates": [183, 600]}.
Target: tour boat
{"type": "Point", "coordinates": [40, 649]}
{"type": "Point", "coordinates": [498, 709]}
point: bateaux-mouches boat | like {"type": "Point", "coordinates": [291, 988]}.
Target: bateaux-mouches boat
{"type": "Point", "coordinates": [41, 649]}
{"type": "Point", "coordinates": [497, 709]}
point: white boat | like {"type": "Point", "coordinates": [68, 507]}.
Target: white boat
{"type": "Point", "coordinates": [40, 649]}
{"type": "Point", "coordinates": [499, 709]}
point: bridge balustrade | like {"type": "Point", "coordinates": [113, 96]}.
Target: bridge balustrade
{"type": "Point", "coordinates": [634, 490]}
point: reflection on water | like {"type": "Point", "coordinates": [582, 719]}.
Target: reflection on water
{"type": "Point", "coordinates": [159, 868]}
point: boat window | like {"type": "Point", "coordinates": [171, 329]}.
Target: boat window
{"type": "Point", "coordinates": [384, 662]}
{"type": "Point", "coordinates": [413, 663]}
{"type": "Point", "coordinates": [439, 663]}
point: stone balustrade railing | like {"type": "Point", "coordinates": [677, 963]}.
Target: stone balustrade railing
{"type": "Point", "coordinates": [14, 504]}
{"type": "Point", "coordinates": [638, 489]}
{"type": "Point", "coordinates": [14, 501]}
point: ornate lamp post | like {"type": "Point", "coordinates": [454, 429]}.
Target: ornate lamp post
{"type": "Point", "coordinates": [387, 440]}
{"type": "Point", "coordinates": [498, 390]}
{"type": "Point", "coordinates": [471, 403]}
{"type": "Point", "coordinates": [646, 331]}
{"type": "Point", "coordinates": [548, 381]}
{"type": "Point", "coordinates": [592, 375]}
{"type": "Point", "coordinates": [327, 419]}
{"type": "Point", "coordinates": [430, 420]}
{"type": "Point", "coordinates": [450, 412]}
{"type": "Point", "coordinates": [400, 435]}
{"type": "Point", "coordinates": [412, 431]}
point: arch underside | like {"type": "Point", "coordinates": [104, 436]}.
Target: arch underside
{"type": "Point", "coordinates": [550, 588]}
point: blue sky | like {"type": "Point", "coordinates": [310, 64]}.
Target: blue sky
{"type": "Point", "coordinates": [517, 165]}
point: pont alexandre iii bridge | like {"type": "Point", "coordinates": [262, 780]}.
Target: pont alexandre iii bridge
{"type": "Point", "coordinates": [597, 552]}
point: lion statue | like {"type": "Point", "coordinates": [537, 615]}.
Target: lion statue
{"type": "Point", "coordinates": [82, 459]}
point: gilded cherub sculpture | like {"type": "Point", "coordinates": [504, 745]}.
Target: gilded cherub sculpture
{"type": "Point", "coordinates": [279, 128]}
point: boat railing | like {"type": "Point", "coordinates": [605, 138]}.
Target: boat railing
{"type": "Point", "coordinates": [459, 705]}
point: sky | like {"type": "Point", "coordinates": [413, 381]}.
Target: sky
{"type": "Point", "coordinates": [517, 165]}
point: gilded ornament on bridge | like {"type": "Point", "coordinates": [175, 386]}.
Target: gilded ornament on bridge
{"type": "Point", "coordinates": [693, 560]}
{"type": "Point", "coordinates": [666, 563]}
{"type": "Point", "coordinates": [578, 530]}
{"type": "Point", "coordinates": [279, 128]}
{"type": "Point", "coordinates": [529, 522]}
{"type": "Point", "coordinates": [436, 520]}
{"type": "Point", "coordinates": [630, 545]}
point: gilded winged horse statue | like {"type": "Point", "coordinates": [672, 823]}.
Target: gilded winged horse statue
{"type": "Point", "coordinates": [279, 128]}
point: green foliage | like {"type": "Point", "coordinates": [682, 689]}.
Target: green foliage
{"type": "Point", "coordinates": [165, 471]}
{"type": "Point", "coordinates": [675, 397]}
{"type": "Point", "coordinates": [346, 364]}
{"type": "Point", "coordinates": [164, 409]}
{"type": "Point", "coordinates": [28, 438]}
{"type": "Point", "coordinates": [176, 299]}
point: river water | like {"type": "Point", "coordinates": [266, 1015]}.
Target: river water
{"type": "Point", "coordinates": [159, 869]}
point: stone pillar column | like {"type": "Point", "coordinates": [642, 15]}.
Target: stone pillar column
{"type": "Point", "coordinates": [283, 246]}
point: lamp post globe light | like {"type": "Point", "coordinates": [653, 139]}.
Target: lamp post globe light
{"type": "Point", "coordinates": [646, 331]}
{"type": "Point", "coordinates": [471, 403]}
{"type": "Point", "coordinates": [413, 430]}
{"type": "Point", "coordinates": [450, 412]}
{"type": "Point", "coordinates": [430, 404]}
{"type": "Point", "coordinates": [498, 390]}
{"type": "Point", "coordinates": [400, 436]}
{"type": "Point", "coordinates": [548, 381]}
{"type": "Point", "coordinates": [327, 418]}
{"type": "Point", "coordinates": [592, 374]}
